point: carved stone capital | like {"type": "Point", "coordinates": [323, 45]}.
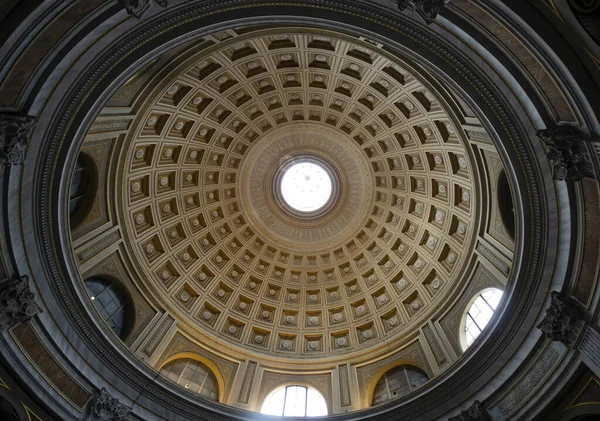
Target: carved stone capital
{"type": "Point", "coordinates": [566, 148]}
{"type": "Point", "coordinates": [17, 302]}
{"type": "Point", "coordinates": [564, 319]}
{"type": "Point", "coordinates": [138, 7]}
{"type": "Point", "coordinates": [475, 412]}
{"type": "Point", "coordinates": [427, 9]}
{"type": "Point", "coordinates": [104, 407]}
{"type": "Point", "coordinates": [14, 136]}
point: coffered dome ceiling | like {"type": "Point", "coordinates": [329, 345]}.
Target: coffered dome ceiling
{"type": "Point", "coordinates": [211, 238]}
{"type": "Point", "coordinates": [222, 203]}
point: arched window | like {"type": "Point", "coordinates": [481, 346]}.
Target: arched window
{"type": "Point", "coordinates": [397, 382]}
{"type": "Point", "coordinates": [295, 401]}
{"type": "Point", "coordinates": [194, 376]}
{"type": "Point", "coordinates": [83, 189]}
{"type": "Point", "coordinates": [480, 313]}
{"type": "Point", "coordinates": [113, 303]}
{"type": "Point", "coordinates": [506, 205]}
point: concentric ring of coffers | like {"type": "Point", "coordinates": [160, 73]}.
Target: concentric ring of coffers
{"type": "Point", "coordinates": [199, 240]}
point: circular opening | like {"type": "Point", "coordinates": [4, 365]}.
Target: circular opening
{"type": "Point", "coordinates": [306, 186]}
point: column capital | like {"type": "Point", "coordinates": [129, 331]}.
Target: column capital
{"type": "Point", "coordinates": [137, 8]}
{"type": "Point", "coordinates": [15, 131]}
{"type": "Point", "coordinates": [475, 412]}
{"type": "Point", "coordinates": [104, 407]}
{"type": "Point", "coordinates": [427, 9]}
{"type": "Point", "coordinates": [17, 302]}
{"type": "Point", "coordinates": [564, 319]}
{"type": "Point", "coordinates": [566, 149]}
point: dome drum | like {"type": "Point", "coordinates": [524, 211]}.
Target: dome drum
{"type": "Point", "coordinates": [230, 281]}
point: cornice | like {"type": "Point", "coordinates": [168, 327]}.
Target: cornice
{"type": "Point", "coordinates": [87, 94]}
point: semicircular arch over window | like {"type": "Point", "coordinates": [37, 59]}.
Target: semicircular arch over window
{"type": "Point", "coordinates": [295, 401]}
{"type": "Point", "coordinates": [397, 382]}
{"type": "Point", "coordinates": [194, 376]}
{"type": "Point", "coordinates": [479, 313]}
{"type": "Point", "coordinates": [113, 302]}
{"type": "Point", "coordinates": [82, 190]}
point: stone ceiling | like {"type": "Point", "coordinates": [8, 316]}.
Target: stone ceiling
{"type": "Point", "coordinates": [211, 240]}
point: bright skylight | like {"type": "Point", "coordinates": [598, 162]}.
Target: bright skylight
{"type": "Point", "coordinates": [295, 401]}
{"type": "Point", "coordinates": [306, 187]}
{"type": "Point", "coordinates": [480, 313]}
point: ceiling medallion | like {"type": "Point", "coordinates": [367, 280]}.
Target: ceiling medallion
{"type": "Point", "coordinates": [344, 199]}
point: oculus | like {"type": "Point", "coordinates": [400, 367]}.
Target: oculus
{"type": "Point", "coordinates": [306, 186]}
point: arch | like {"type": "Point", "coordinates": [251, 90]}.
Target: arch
{"type": "Point", "coordinates": [506, 204]}
{"type": "Point", "coordinates": [311, 393]}
{"type": "Point", "coordinates": [7, 411]}
{"type": "Point", "coordinates": [201, 359]}
{"type": "Point", "coordinates": [464, 343]}
{"type": "Point", "coordinates": [113, 302]}
{"type": "Point", "coordinates": [82, 190]}
{"type": "Point", "coordinates": [380, 373]}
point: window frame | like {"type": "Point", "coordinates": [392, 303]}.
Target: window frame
{"type": "Point", "coordinates": [463, 324]}
{"type": "Point", "coordinates": [199, 363]}
{"type": "Point", "coordinates": [384, 373]}
{"type": "Point", "coordinates": [127, 305]}
{"type": "Point", "coordinates": [285, 387]}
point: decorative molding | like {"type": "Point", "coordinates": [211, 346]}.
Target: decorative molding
{"type": "Point", "coordinates": [564, 319]}
{"type": "Point", "coordinates": [344, 385]}
{"type": "Point", "coordinates": [100, 245]}
{"type": "Point", "coordinates": [483, 89]}
{"type": "Point", "coordinates": [530, 381]}
{"type": "Point", "coordinates": [17, 302]}
{"type": "Point", "coordinates": [137, 8]}
{"type": "Point", "coordinates": [590, 348]}
{"type": "Point", "coordinates": [493, 258]}
{"type": "Point", "coordinates": [475, 412]}
{"type": "Point", "coordinates": [567, 151]}
{"type": "Point", "coordinates": [437, 350]}
{"type": "Point", "coordinates": [104, 407]}
{"type": "Point", "coordinates": [427, 9]}
{"type": "Point", "coordinates": [158, 335]}
{"type": "Point", "coordinates": [14, 136]}
{"type": "Point", "coordinates": [244, 395]}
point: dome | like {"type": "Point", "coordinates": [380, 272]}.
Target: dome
{"type": "Point", "coordinates": [213, 236]}
{"type": "Point", "coordinates": [350, 210]}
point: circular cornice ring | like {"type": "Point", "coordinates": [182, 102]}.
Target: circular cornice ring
{"type": "Point", "coordinates": [275, 189]}
{"type": "Point", "coordinates": [84, 96]}
{"type": "Point", "coordinates": [346, 212]}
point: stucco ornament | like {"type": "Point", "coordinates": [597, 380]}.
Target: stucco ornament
{"type": "Point", "coordinates": [567, 151]}
{"type": "Point", "coordinates": [14, 136]}
{"type": "Point", "coordinates": [137, 8]}
{"type": "Point", "coordinates": [475, 412]}
{"type": "Point", "coordinates": [104, 407]}
{"type": "Point", "coordinates": [17, 302]}
{"type": "Point", "coordinates": [427, 9]}
{"type": "Point", "coordinates": [564, 319]}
